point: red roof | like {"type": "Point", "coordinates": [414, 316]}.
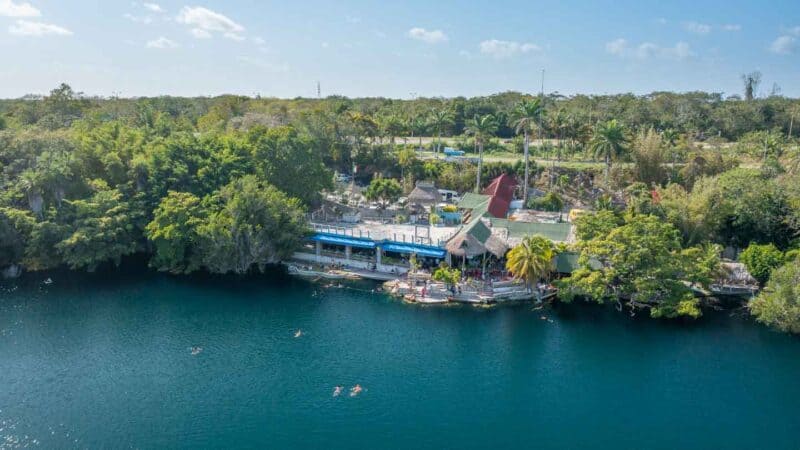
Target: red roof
{"type": "Point", "coordinates": [501, 190]}
{"type": "Point", "coordinates": [498, 207]}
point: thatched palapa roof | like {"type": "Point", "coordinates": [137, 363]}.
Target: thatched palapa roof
{"type": "Point", "coordinates": [424, 194]}
{"type": "Point", "coordinates": [475, 239]}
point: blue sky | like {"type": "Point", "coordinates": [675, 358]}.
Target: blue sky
{"type": "Point", "coordinates": [396, 49]}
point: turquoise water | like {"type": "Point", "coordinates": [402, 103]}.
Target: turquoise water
{"type": "Point", "coordinates": [106, 362]}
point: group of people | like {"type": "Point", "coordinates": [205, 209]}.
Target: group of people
{"type": "Point", "coordinates": [354, 391]}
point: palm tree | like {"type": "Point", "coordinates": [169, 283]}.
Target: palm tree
{"type": "Point", "coordinates": [405, 158]}
{"type": "Point", "coordinates": [531, 260]}
{"type": "Point", "coordinates": [526, 119]}
{"type": "Point", "coordinates": [419, 125]}
{"type": "Point", "coordinates": [794, 112]}
{"type": "Point", "coordinates": [482, 129]}
{"type": "Point", "coordinates": [670, 138]}
{"type": "Point", "coordinates": [794, 162]}
{"type": "Point", "coordinates": [390, 126]}
{"type": "Point", "coordinates": [608, 142]}
{"type": "Point", "coordinates": [365, 127]}
{"type": "Point", "coordinates": [440, 119]}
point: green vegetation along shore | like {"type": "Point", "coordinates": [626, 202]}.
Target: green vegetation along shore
{"type": "Point", "coordinates": [672, 181]}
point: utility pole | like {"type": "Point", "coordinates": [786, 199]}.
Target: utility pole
{"type": "Point", "coordinates": [319, 90]}
{"type": "Point", "coordinates": [542, 84]}
{"type": "Point", "coordinates": [541, 134]}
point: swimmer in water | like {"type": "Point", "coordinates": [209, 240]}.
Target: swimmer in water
{"type": "Point", "coordinates": [356, 390]}
{"type": "Point", "coordinates": [298, 333]}
{"type": "Point", "coordinates": [196, 350]}
{"type": "Point", "coordinates": [337, 390]}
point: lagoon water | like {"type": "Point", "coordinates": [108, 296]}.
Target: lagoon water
{"type": "Point", "coordinates": [151, 361]}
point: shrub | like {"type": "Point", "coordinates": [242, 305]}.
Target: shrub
{"type": "Point", "coordinates": [550, 202]}
{"type": "Point", "coordinates": [761, 260]}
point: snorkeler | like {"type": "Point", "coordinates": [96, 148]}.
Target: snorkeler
{"type": "Point", "coordinates": [356, 390]}
{"type": "Point", "coordinates": [337, 390]}
{"type": "Point", "coordinates": [298, 333]}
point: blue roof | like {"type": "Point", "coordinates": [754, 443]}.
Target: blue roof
{"type": "Point", "coordinates": [421, 250]}
{"type": "Point", "coordinates": [338, 239]}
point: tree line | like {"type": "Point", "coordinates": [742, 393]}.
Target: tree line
{"type": "Point", "coordinates": [222, 184]}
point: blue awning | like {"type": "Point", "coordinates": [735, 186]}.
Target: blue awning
{"type": "Point", "coordinates": [346, 241]}
{"type": "Point", "coordinates": [421, 250]}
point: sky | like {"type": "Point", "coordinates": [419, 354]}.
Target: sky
{"type": "Point", "coordinates": [400, 49]}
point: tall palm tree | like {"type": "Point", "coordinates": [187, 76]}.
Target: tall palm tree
{"type": "Point", "coordinates": [391, 126]}
{"type": "Point", "coordinates": [440, 119]}
{"type": "Point", "coordinates": [670, 138]}
{"type": "Point", "coordinates": [608, 142]}
{"type": "Point", "coordinates": [418, 126]}
{"type": "Point", "coordinates": [531, 260]}
{"type": "Point", "coordinates": [527, 119]}
{"type": "Point", "coordinates": [482, 128]}
{"type": "Point", "coordinates": [794, 113]}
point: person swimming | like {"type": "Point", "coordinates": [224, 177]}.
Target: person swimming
{"type": "Point", "coordinates": [356, 390]}
{"type": "Point", "coordinates": [196, 350]}
{"type": "Point", "coordinates": [337, 391]}
{"type": "Point", "coordinates": [298, 333]}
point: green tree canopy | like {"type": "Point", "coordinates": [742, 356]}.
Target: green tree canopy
{"type": "Point", "coordinates": [761, 260]}
{"type": "Point", "coordinates": [103, 231]}
{"type": "Point", "coordinates": [384, 190]}
{"type": "Point", "coordinates": [173, 232]}
{"type": "Point", "coordinates": [288, 161]}
{"type": "Point", "coordinates": [591, 225]}
{"type": "Point", "coordinates": [642, 264]}
{"type": "Point", "coordinates": [256, 225]}
{"type": "Point", "coordinates": [778, 305]}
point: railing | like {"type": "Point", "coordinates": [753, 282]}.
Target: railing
{"type": "Point", "coordinates": [397, 237]}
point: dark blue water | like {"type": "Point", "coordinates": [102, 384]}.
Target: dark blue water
{"type": "Point", "coordinates": [106, 362]}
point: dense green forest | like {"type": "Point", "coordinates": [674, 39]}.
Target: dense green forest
{"type": "Point", "coordinates": [223, 184]}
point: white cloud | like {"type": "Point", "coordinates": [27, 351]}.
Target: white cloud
{"type": "Point", "coordinates": [37, 29]}
{"type": "Point", "coordinates": [648, 50]}
{"type": "Point", "coordinates": [681, 50]}
{"type": "Point", "coordinates": [204, 23]}
{"type": "Point", "coordinates": [506, 49]}
{"type": "Point", "coordinates": [264, 65]}
{"type": "Point", "coordinates": [199, 33]}
{"type": "Point", "coordinates": [137, 19]}
{"type": "Point", "coordinates": [431, 37]}
{"type": "Point", "coordinates": [352, 19]}
{"type": "Point", "coordinates": [784, 45]}
{"type": "Point", "coordinates": [259, 41]}
{"type": "Point", "coordinates": [234, 37]}
{"type": "Point", "coordinates": [732, 27]}
{"type": "Point", "coordinates": [162, 43]}
{"type": "Point", "coordinates": [794, 30]}
{"type": "Point", "coordinates": [697, 28]}
{"type": "Point", "coordinates": [661, 21]}
{"type": "Point", "coordinates": [154, 7]}
{"type": "Point", "coordinates": [617, 47]}
{"type": "Point", "coordinates": [325, 45]}
{"type": "Point", "coordinates": [10, 9]}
